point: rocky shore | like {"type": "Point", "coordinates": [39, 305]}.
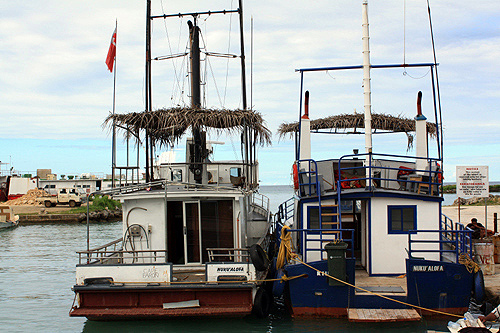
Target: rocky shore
{"type": "Point", "coordinates": [102, 215]}
{"type": "Point", "coordinates": [492, 200]}
{"type": "Point", "coordinates": [105, 215]}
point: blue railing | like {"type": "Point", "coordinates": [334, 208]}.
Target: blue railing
{"type": "Point", "coordinates": [432, 175]}
{"type": "Point", "coordinates": [409, 179]}
{"type": "Point", "coordinates": [309, 184]}
{"type": "Point", "coordinates": [322, 239]}
{"type": "Point", "coordinates": [460, 242]}
{"type": "Point", "coordinates": [285, 213]}
{"type": "Point", "coordinates": [448, 228]}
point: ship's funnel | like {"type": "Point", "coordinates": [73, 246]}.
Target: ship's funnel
{"type": "Point", "coordinates": [421, 135]}
{"type": "Point", "coordinates": [305, 132]}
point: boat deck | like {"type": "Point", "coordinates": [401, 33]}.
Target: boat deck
{"type": "Point", "coordinates": [383, 285]}
{"type": "Point", "coordinates": [189, 276]}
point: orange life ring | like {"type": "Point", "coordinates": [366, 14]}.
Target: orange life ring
{"type": "Point", "coordinates": [295, 176]}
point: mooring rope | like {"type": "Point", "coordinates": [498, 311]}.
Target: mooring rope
{"type": "Point", "coordinates": [471, 266]}
{"type": "Point", "coordinates": [286, 242]}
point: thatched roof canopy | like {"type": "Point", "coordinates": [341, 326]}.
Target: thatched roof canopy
{"type": "Point", "coordinates": [169, 125]}
{"type": "Point", "coordinates": [343, 122]}
{"type": "Point", "coordinates": [382, 122]}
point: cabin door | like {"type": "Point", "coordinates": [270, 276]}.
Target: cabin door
{"type": "Point", "coordinates": [192, 232]}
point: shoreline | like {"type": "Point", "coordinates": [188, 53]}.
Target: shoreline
{"type": "Point", "coordinates": [468, 212]}
{"type": "Point", "coordinates": [29, 215]}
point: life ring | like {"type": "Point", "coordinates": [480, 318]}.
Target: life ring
{"type": "Point", "coordinates": [262, 303]}
{"type": "Point", "coordinates": [478, 287]}
{"type": "Point", "coordinates": [259, 257]}
{"type": "Point", "coordinates": [295, 176]}
{"type": "Point", "coordinates": [279, 286]}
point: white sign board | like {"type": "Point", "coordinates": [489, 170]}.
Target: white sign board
{"type": "Point", "coordinates": [472, 181]}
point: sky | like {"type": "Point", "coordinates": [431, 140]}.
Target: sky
{"type": "Point", "coordinates": [56, 91]}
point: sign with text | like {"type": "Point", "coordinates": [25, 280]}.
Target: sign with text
{"type": "Point", "coordinates": [472, 181]}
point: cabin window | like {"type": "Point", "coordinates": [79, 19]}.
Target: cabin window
{"type": "Point", "coordinates": [235, 172]}
{"type": "Point", "coordinates": [176, 175]}
{"type": "Point", "coordinates": [402, 219]}
{"type": "Point", "coordinates": [313, 218]}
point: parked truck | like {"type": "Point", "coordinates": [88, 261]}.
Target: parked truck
{"type": "Point", "coordinates": [65, 196]}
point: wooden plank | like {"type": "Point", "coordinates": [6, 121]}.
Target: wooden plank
{"type": "Point", "coordinates": [382, 315]}
{"type": "Point", "coordinates": [180, 305]}
{"type": "Point", "coordinates": [352, 313]}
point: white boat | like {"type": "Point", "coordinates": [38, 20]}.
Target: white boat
{"type": "Point", "coordinates": [194, 241]}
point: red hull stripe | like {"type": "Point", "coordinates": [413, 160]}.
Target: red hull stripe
{"type": "Point", "coordinates": [123, 304]}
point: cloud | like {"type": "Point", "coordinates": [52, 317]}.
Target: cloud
{"type": "Point", "coordinates": [55, 85]}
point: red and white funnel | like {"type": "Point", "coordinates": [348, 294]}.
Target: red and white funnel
{"type": "Point", "coordinates": [421, 135]}
{"type": "Point", "coordinates": [305, 132]}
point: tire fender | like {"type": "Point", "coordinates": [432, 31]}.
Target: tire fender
{"type": "Point", "coordinates": [478, 286]}
{"type": "Point", "coordinates": [262, 303]}
{"type": "Point", "coordinates": [259, 257]}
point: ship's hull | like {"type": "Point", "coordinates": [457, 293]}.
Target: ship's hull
{"type": "Point", "coordinates": [111, 302]}
{"type": "Point", "coordinates": [433, 285]}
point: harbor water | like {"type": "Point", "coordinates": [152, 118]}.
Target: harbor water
{"type": "Point", "coordinates": [37, 271]}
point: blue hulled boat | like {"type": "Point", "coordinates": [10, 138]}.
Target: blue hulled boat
{"type": "Point", "coordinates": [366, 230]}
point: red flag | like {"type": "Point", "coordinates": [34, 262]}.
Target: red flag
{"type": "Point", "coordinates": [110, 59]}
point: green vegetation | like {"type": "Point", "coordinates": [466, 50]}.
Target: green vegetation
{"type": "Point", "coordinates": [489, 202]}
{"type": "Point", "coordinates": [449, 188]}
{"type": "Point", "coordinates": [453, 188]}
{"type": "Point", "coordinates": [98, 203]}
{"type": "Point", "coordinates": [101, 202]}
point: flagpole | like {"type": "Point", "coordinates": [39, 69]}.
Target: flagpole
{"type": "Point", "coordinates": [113, 153]}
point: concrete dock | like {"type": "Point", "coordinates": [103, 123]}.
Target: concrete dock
{"type": "Point", "coordinates": [492, 285]}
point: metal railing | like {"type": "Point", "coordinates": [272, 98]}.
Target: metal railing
{"type": "Point", "coordinates": [260, 203]}
{"type": "Point", "coordinates": [323, 239]}
{"type": "Point", "coordinates": [448, 228]}
{"type": "Point", "coordinates": [460, 243]}
{"type": "Point", "coordinates": [447, 225]}
{"type": "Point", "coordinates": [283, 215]}
{"type": "Point", "coordinates": [431, 175]}
{"type": "Point", "coordinates": [228, 255]}
{"type": "Point", "coordinates": [113, 254]}
{"type": "Point", "coordinates": [309, 184]}
{"type": "Point", "coordinates": [218, 168]}
{"type": "Point", "coordinates": [407, 179]}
